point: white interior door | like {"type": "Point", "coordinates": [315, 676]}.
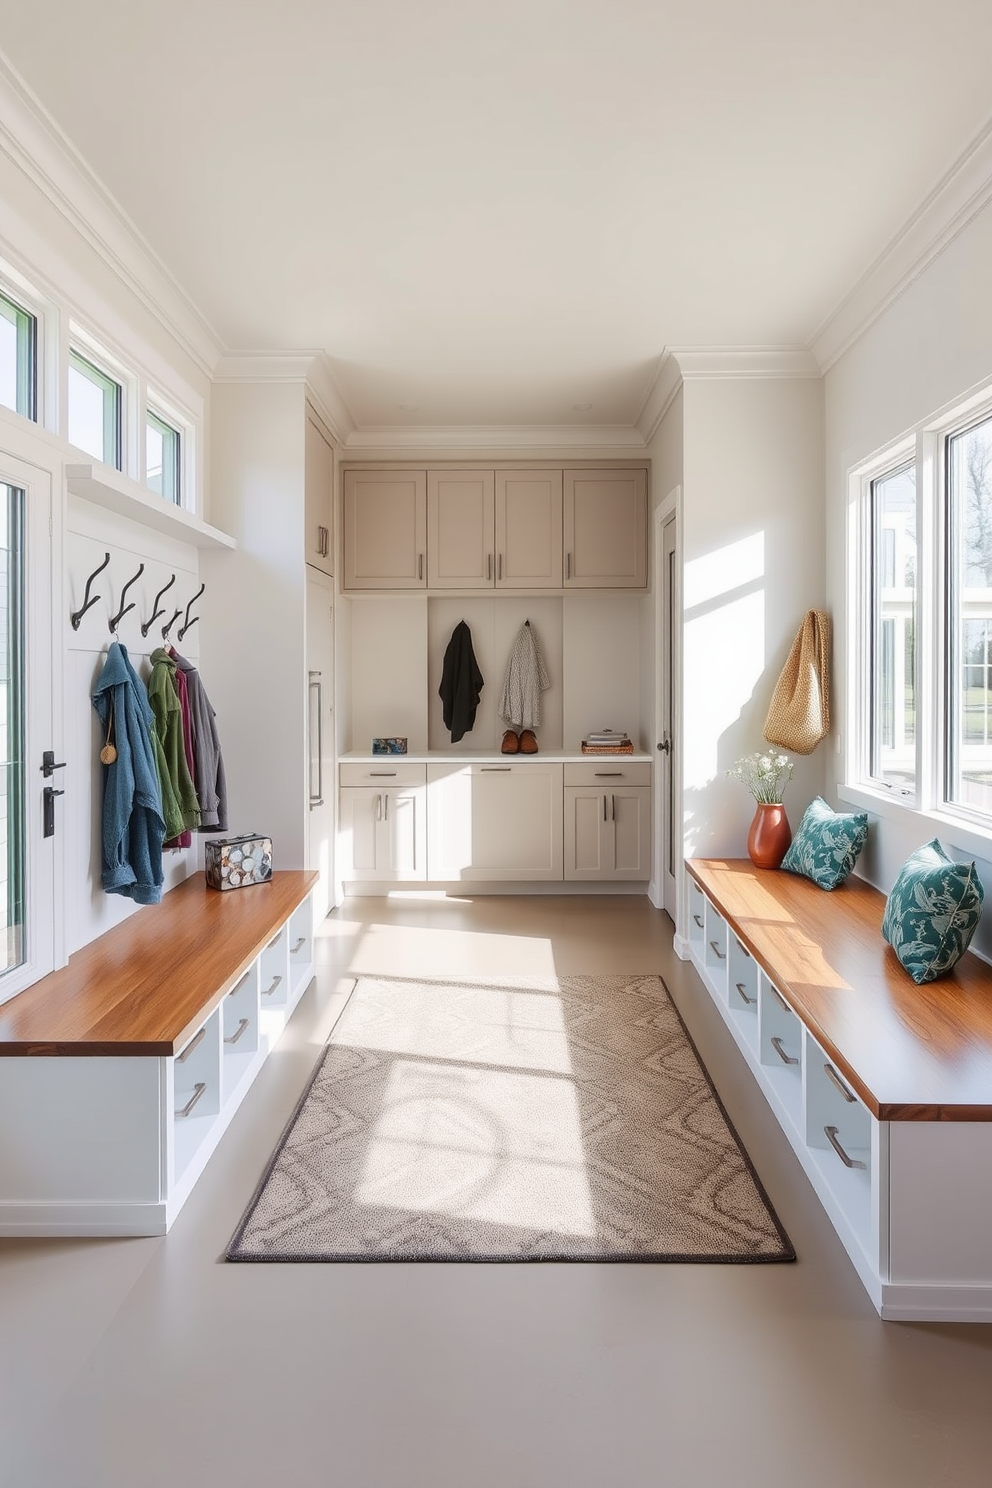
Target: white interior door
{"type": "Point", "coordinates": [32, 811]}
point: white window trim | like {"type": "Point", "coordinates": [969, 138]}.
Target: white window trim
{"type": "Point", "coordinates": [92, 350]}
{"type": "Point", "coordinates": [16, 288]}
{"type": "Point", "coordinates": [927, 443]}
{"type": "Point", "coordinates": [185, 426]}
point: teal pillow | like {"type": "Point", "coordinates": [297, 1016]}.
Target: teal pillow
{"type": "Point", "coordinates": [932, 911]}
{"type": "Point", "coordinates": [827, 844]}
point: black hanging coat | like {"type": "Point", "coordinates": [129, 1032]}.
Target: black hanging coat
{"type": "Point", "coordinates": [461, 683]}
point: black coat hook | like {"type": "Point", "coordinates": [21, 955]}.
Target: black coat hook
{"type": "Point", "coordinates": [146, 627]}
{"type": "Point", "coordinates": [168, 626]}
{"type": "Point", "coordinates": [188, 623]}
{"type": "Point", "coordinates": [88, 603]}
{"type": "Point", "coordinates": [115, 620]}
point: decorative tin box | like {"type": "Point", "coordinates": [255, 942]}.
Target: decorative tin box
{"type": "Point", "coordinates": [237, 862]}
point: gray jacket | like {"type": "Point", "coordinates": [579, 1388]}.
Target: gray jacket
{"type": "Point", "coordinates": [208, 762]}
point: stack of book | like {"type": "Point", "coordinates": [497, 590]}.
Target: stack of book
{"type": "Point", "coordinates": [607, 741]}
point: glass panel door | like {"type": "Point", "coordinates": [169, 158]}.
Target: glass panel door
{"type": "Point", "coordinates": [12, 861]}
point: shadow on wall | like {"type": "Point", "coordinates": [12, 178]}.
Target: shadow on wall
{"type": "Point", "coordinates": [730, 667]}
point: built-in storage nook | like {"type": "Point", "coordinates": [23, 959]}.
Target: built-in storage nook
{"type": "Point", "coordinates": [883, 1088]}
{"type": "Point", "coordinates": [121, 1072]}
{"type": "Point", "coordinates": [563, 549]}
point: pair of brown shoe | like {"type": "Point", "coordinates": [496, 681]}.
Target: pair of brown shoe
{"type": "Point", "coordinates": [522, 743]}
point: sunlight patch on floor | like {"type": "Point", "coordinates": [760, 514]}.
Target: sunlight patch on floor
{"type": "Point", "coordinates": [410, 951]}
{"type": "Point", "coordinates": [480, 1144]}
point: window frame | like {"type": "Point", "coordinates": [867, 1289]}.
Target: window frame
{"type": "Point", "coordinates": [77, 360]}
{"type": "Point", "coordinates": [30, 408]}
{"type": "Point", "coordinates": [157, 409]}
{"type": "Point", "coordinates": [929, 446]}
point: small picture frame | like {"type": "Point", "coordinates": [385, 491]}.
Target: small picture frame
{"type": "Point", "coordinates": [389, 746]}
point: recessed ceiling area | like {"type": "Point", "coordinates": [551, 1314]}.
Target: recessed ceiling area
{"type": "Point", "coordinates": [503, 214]}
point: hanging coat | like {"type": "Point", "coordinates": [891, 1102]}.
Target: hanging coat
{"type": "Point", "coordinates": [208, 762]}
{"type": "Point", "coordinates": [185, 838]}
{"type": "Point", "coordinates": [461, 684]}
{"type": "Point", "coordinates": [133, 825]}
{"type": "Point", "coordinates": [526, 678]}
{"type": "Point", "coordinates": [164, 699]}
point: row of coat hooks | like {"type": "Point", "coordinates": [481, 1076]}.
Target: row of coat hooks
{"type": "Point", "coordinates": [115, 620]}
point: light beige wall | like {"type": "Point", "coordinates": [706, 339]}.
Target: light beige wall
{"type": "Point", "coordinates": [752, 566]}
{"type": "Point", "coordinates": [254, 612]}
{"type": "Point", "coordinates": [925, 352]}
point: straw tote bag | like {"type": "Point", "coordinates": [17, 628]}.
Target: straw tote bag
{"type": "Point", "coordinates": [799, 714]}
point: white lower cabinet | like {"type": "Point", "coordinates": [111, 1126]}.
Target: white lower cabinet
{"type": "Point", "coordinates": [494, 822]}
{"type": "Point", "coordinates": [383, 833]}
{"type": "Point", "coordinates": [607, 832]}
{"type": "Point", "coordinates": [910, 1200]}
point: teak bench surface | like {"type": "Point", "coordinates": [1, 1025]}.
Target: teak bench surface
{"type": "Point", "coordinates": [912, 1053]}
{"type": "Point", "coordinates": [144, 987]}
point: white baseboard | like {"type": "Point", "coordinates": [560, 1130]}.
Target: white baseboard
{"type": "Point", "coordinates": [681, 948]}
{"type": "Point", "coordinates": [30, 1220]}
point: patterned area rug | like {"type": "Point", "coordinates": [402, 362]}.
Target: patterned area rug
{"type": "Point", "coordinates": [566, 1120]}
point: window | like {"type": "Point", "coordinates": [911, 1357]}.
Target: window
{"type": "Point", "coordinates": [163, 456]}
{"type": "Point", "coordinates": [18, 348]}
{"type": "Point", "coordinates": [95, 405]}
{"type": "Point", "coordinates": [12, 861]}
{"type": "Point", "coordinates": [969, 618]}
{"type": "Point", "coordinates": [892, 721]}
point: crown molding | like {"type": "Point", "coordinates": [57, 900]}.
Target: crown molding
{"type": "Point", "coordinates": [329, 400]}
{"type": "Point", "coordinates": [498, 437]}
{"type": "Point", "coordinates": [264, 366]}
{"type": "Point", "coordinates": [745, 361]}
{"type": "Point", "coordinates": [958, 197]}
{"type": "Point", "coordinates": [34, 143]}
{"type": "Point", "coordinates": [659, 397]}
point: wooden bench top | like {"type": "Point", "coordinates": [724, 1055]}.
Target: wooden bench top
{"type": "Point", "coordinates": [145, 986]}
{"type": "Point", "coordinates": [912, 1053]}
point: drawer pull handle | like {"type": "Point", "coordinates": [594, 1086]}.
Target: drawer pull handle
{"type": "Point", "coordinates": [741, 990]}
{"type": "Point", "coordinates": [743, 949]}
{"type": "Point", "coordinates": [488, 769]}
{"type": "Point", "coordinates": [198, 1090]}
{"type": "Point", "coordinates": [609, 774]}
{"type": "Point", "coordinates": [268, 991]}
{"type": "Point", "coordinates": [780, 999]}
{"type": "Point", "coordinates": [698, 920]}
{"type": "Point", "coordinates": [382, 774]}
{"type": "Point", "coordinates": [722, 955]}
{"type": "Point", "coordinates": [240, 1030]}
{"type": "Point", "coordinates": [836, 1081]}
{"type": "Point", "coordinates": [785, 1058]}
{"type": "Point", "coordinates": [182, 1058]}
{"type": "Point", "coordinates": [830, 1132]}
{"type": "Point", "coordinates": [301, 942]}
{"type": "Point", "coordinates": [275, 941]}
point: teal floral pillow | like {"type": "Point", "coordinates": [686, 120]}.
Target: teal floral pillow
{"type": "Point", "coordinates": [827, 844]}
{"type": "Point", "coordinates": [932, 911]}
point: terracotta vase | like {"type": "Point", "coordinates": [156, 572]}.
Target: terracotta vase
{"type": "Point", "coordinates": [770, 835]}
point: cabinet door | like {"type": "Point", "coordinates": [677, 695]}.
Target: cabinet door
{"type": "Point", "coordinates": [588, 833]}
{"type": "Point", "coordinates": [630, 820]}
{"type": "Point", "coordinates": [385, 529]}
{"type": "Point", "coordinates": [528, 529]}
{"type": "Point", "coordinates": [318, 496]}
{"type": "Point", "coordinates": [516, 822]}
{"type": "Point", "coordinates": [460, 529]}
{"type": "Point", "coordinates": [359, 837]}
{"type": "Point", "coordinates": [605, 529]}
{"type": "Point", "coordinates": [403, 834]}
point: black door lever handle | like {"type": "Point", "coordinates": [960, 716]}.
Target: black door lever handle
{"type": "Point", "coordinates": [49, 764]}
{"type": "Point", "coordinates": [48, 813]}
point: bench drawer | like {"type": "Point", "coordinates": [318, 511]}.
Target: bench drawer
{"type": "Point", "coordinates": [605, 771]}
{"type": "Point", "coordinates": [389, 772]}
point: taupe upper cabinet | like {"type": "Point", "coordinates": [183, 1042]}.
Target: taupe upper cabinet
{"type": "Point", "coordinates": [605, 520]}
{"type": "Point", "coordinates": [461, 529]}
{"type": "Point", "coordinates": [487, 529]}
{"type": "Point", "coordinates": [528, 529]}
{"type": "Point", "coordinates": [385, 529]}
{"type": "Point", "coordinates": [318, 480]}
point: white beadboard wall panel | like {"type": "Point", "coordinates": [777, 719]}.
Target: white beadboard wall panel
{"type": "Point", "coordinates": [602, 665]}
{"type": "Point", "coordinates": [91, 532]}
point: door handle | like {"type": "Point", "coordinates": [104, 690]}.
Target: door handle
{"type": "Point", "coordinates": [48, 812]}
{"type": "Point", "coordinates": [665, 746]}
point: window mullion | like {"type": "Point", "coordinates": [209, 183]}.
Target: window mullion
{"type": "Point", "coordinates": [930, 628]}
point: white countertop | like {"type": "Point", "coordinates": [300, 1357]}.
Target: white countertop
{"type": "Point", "coordinates": [488, 756]}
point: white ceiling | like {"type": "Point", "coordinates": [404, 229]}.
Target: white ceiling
{"type": "Point", "coordinates": [498, 211]}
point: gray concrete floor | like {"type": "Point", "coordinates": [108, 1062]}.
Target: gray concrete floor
{"type": "Point", "coordinates": [145, 1363]}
